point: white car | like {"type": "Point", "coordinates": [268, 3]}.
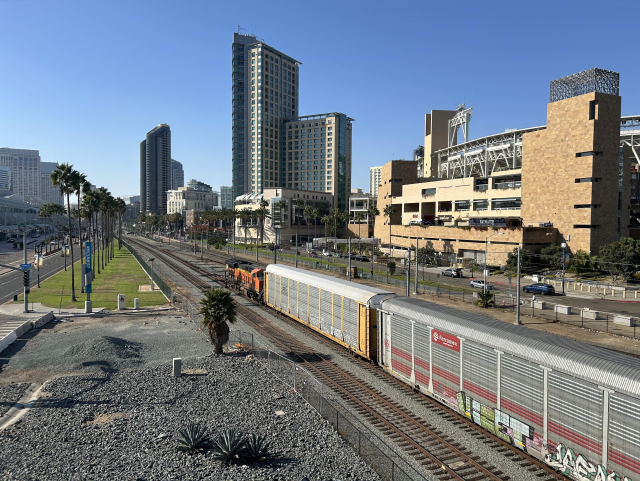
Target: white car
{"type": "Point", "coordinates": [479, 284]}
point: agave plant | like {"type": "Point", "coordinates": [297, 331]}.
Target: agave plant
{"type": "Point", "coordinates": [192, 438]}
{"type": "Point", "coordinates": [256, 448]}
{"type": "Point", "coordinates": [229, 446]}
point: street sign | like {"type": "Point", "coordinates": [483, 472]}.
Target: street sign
{"type": "Point", "coordinates": [25, 267]}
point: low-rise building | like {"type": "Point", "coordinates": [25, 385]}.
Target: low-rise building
{"type": "Point", "coordinates": [563, 182]}
{"type": "Point", "coordinates": [285, 214]}
{"type": "Point", "coordinates": [360, 222]}
{"type": "Point", "coordinates": [186, 198]}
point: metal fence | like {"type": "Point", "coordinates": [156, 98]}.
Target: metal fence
{"type": "Point", "coordinates": [382, 457]}
{"type": "Point", "coordinates": [155, 277]}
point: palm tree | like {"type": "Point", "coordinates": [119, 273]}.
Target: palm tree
{"type": "Point", "coordinates": [359, 217]}
{"type": "Point", "coordinates": [372, 213]}
{"type": "Point", "coordinates": [121, 208]}
{"type": "Point", "coordinates": [62, 177]}
{"type": "Point", "coordinates": [44, 212]}
{"type": "Point", "coordinates": [246, 216]}
{"type": "Point", "coordinates": [217, 310]}
{"type": "Point", "coordinates": [263, 213]}
{"type": "Point", "coordinates": [307, 215]}
{"type": "Point", "coordinates": [298, 207]}
{"type": "Point", "coordinates": [80, 186]}
{"type": "Point", "coordinates": [389, 210]}
{"type": "Point", "coordinates": [315, 215]}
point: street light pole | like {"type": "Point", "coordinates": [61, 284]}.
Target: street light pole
{"type": "Point", "coordinates": [296, 251]}
{"type": "Point", "coordinates": [564, 245]}
{"type": "Point", "coordinates": [415, 287]}
{"type": "Point", "coordinates": [408, 271]}
{"type": "Point", "coordinates": [518, 290]}
{"type": "Point", "coordinates": [484, 282]}
{"type": "Point", "coordinates": [151, 259]}
{"type": "Point", "coordinates": [349, 254]}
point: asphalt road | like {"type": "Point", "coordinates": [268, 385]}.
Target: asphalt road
{"type": "Point", "coordinates": [11, 282]}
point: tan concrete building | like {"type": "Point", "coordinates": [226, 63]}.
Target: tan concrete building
{"type": "Point", "coordinates": [187, 198]}
{"type": "Point", "coordinates": [287, 220]}
{"type": "Point", "coordinates": [568, 181]}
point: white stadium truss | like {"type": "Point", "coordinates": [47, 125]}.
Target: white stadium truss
{"type": "Point", "coordinates": [495, 153]}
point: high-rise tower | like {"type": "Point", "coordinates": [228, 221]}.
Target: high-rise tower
{"type": "Point", "coordinates": [155, 170]}
{"type": "Point", "coordinates": [264, 94]}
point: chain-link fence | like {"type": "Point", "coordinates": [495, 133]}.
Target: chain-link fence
{"type": "Point", "coordinates": [155, 277]}
{"type": "Point", "coordinates": [383, 457]}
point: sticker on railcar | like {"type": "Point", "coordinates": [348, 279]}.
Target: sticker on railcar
{"type": "Point", "coordinates": [446, 340]}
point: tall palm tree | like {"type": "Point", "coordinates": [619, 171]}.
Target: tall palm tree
{"type": "Point", "coordinates": [246, 216]}
{"type": "Point", "coordinates": [372, 213]}
{"type": "Point", "coordinates": [121, 208]}
{"type": "Point", "coordinates": [217, 310]}
{"type": "Point", "coordinates": [388, 211]}
{"type": "Point", "coordinates": [298, 209]}
{"type": "Point", "coordinates": [280, 205]}
{"type": "Point", "coordinates": [307, 216]}
{"type": "Point", "coordinates": [315, 215]}
{"type": "Point", "coordinates": [43, 213]}
{"type": "Point", "coordinates": [263, 213]}
{"type": "Point", "coordinates": [62, 177]}
{"type": "Point", "coordinates": [81, 186]}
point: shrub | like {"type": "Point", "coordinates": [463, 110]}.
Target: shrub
{"type": "Point", "coordinates": [256, 448]}
{"type": "Point", "coordinates": [192, 438]}
{"type": "Point", "coordinates": [391, 267]}
{"type": "Point", "coordinates": [485, 299]}
{"type": "Point", "coordinates": [229, 446]}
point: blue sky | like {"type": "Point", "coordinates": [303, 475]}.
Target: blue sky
{"type": "Point", "coordinates": [84, 81]}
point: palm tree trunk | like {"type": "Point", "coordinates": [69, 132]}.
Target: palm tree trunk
{"type": "Point", "coordinates": [80, 240]}
{"type": "Point", "coordinates": [73, 279]}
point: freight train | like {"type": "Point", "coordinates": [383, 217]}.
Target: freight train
{"type": "Point", "coordinates": [245, 278]}
{"type": "Point", "coordinates": [574, 406]}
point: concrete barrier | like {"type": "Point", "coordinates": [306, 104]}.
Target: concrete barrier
{"type": "Point", "coordinates": [539, 304]}
{"type": "Point", "coordinates": [625, 321]}
{"type": "Point", "coordinates": [10, 338]}
{"type": "Point", "coordinates": [591, 315]}
{"type": "Point", "coordinates": [563, 309]}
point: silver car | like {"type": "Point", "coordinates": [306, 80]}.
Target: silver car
{"type": "Point", "coordinates": [479, 284]}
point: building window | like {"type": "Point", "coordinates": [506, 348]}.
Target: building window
{"type": "Point", "coordinates": [588, 179]}
{"type": "Point", "coordinates": [586, 206]}
{"type": "Point", "coordinates": [586, 226]}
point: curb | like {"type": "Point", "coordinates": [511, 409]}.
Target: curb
{"type": "Point", "coordinates": [10, 338]}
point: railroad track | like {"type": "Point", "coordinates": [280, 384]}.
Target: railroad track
{"type": "Point", "coordinates": [435, 451]}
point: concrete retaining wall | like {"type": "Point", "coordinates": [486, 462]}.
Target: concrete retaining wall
{"type": "Point", "coordinates": [625, 321]}
{"type": "Point", "coordinates": [10, 338]}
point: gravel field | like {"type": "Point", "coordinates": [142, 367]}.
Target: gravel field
{"type": "Point", "coordinates": [10, 394]}
{"type": "Point", "coordinates": [114, 410]}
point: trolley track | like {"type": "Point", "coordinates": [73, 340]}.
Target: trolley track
{"type": "Point", "coordinates": [438, 453]}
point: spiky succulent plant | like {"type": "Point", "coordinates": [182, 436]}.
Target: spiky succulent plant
{"type": "Point", "coordinates": [192, 438]}
{"type": "Point", "coordinates": [229, 446]}
{"type": "Point", "coordinates": [256, 448]}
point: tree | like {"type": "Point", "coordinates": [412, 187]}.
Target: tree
{"type": "Point", "coordinates": [280, 205]}
{"type": "Point", "coordinates": [427, 254]}
{"type": "Point", "coordinates": [388, 211]}
{"type": "Point", "coordinates": [308, 210]}
{"type": "Point", "coordinates": [620, 258]}
{"type": "Point", "coordinates": [512, 260]}
{"type": "Point", "coordinates": [581, 262]}
{"type": "Point", "coordinates": [372, 213]}
{"type": "Point", "coordinates": [552, 255]}
{"type": "Point", "coordinates": [80, 186]}
{"type": "Point", "coordinates": [217, 310]}
{"type": "Point", "coordinates": [120, 208]}
{"type": "Point", "coordinates": [298, 209]}
{"type": "Point", "coordinates": [391, 267]}
{"type": "Point", "coordinates": [44, 212]}
{"type": "Point", "coordinates": [315, 215]}
{"type": "Point", "coordinates": [263, 213]}
{"type": "Point", "coordinates": [62, 177]}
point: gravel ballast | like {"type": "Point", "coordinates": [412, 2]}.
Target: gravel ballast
{"type": "Point", "coordinates": [11, 394]}
{"type": "Point", "coordinates": [119, 419]}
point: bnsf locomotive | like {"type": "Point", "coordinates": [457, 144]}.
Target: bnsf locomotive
{"type": "Point", "coordinates": [574, 406]}
{"type": "Point", "coordinates": [245, 278]}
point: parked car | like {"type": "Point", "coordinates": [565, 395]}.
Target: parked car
{"type": "Point", "coordinates": [479, 284]}
{"type": "Point", "coordinates": [11, 241]}
{"type": "Point", "coordinates": [271, 247]}
{"type": "Point", "coordinates": [540, 288]}
{"type": "Point", "coordinates": [453, 272]}
{"type": "Point", "coordinates": [53, 243]}
{"type": "Point", "coordinates": [362, 258]}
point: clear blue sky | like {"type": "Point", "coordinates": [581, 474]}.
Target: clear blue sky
{"type": "Point", "coordinates": [84, 81]}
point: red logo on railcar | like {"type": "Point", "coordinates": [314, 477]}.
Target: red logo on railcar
{"type": "Point", "coordinates": [446, 340]}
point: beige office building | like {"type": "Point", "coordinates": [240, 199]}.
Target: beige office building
{"type": "Point", "coordinates": [568, 181]}
{"type": "Point", "coordinates": [187, 198]}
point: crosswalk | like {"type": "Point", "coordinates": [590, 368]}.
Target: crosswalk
{"type": "Point", "coordinates": [6, 327]}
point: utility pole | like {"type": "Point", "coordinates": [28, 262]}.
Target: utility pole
{"type": "Point", "coordinates": [408, 271]}
{"type": "Point", "coordinates": [27, 276]}
{"type": "Point", "coordinates": [201, 244]}
{"type": "Point", "coordinates": [296, 251]}
{"type": "Point", "coordinates": [275, 246]}
{"type": "Point", "coordinates": [349, 255]}
{"type": "Point", "coordinates": [415, 287]}
{"type": "Point", "coordinates": [518, 290]}
{"type": "Point", "coordinates": [564, 245]}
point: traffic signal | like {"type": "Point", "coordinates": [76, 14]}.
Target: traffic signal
{"type": "Point", "coordinates": [25, 278]}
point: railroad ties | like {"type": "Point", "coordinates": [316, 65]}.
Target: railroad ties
{"type": "Point", "coordinates": [442, 456]}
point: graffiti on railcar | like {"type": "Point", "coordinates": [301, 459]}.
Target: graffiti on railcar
{"type": "Point", "coordinates": [501, 424]}
{"type": "Point", "coordinates": [578, 467]}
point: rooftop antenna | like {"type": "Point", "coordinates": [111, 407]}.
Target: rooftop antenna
{"type": "Point", "coordinates": [240, 28]}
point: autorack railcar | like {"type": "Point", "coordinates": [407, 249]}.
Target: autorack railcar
{"type": "Point", "coordinates": [574, 406]}
{"type": "Point", "coordinates": [341, 310]}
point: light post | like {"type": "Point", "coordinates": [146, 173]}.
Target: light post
{"type": "Point", "coordinates": [484, 283]}
{"type": "Point", "coordinates": [201, 241]}
{"type": "Point", "coordinates": [518, 289]}
{"type": "Point", "coordinates": [564, 246]}
{"type": "Point", "coordinates": [38, 252]}
{"type": "Point", "coordinates": [415, 288]}
{"type": "Point", "coordinates": [151, 259]}
{"type": "Point", "coordinates": [349, 255]}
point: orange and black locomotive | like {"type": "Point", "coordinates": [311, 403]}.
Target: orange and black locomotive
{"type": "Point", "coordinates": [245, 278]}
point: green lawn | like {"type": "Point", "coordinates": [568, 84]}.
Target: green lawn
{"type": "Point", "coordinates": [123, 275]}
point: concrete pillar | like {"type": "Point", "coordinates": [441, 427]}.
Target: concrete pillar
{"type": "Point", "coordinates": [88, 307]}
{"type": "Point", "coordinates": [136, 303]}
{"type": "Point", "coordinates": [177, 367]}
